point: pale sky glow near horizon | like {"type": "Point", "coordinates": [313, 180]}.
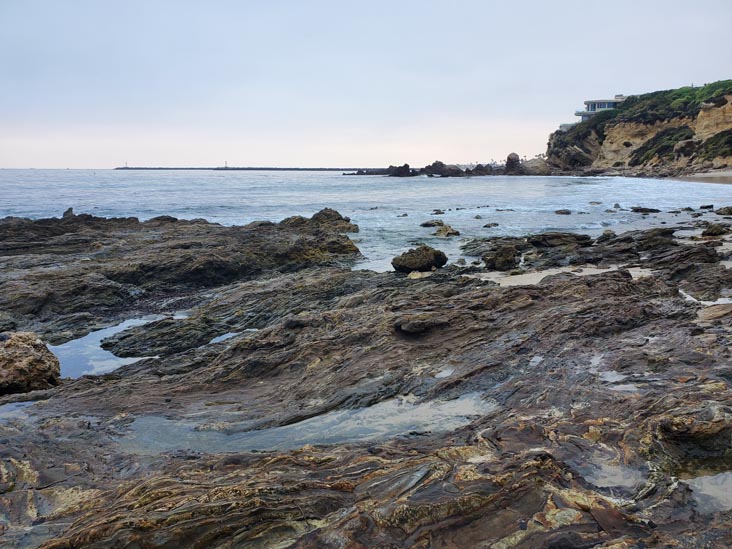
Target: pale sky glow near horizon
{"type": "Point", "coordinates": [97, 83]}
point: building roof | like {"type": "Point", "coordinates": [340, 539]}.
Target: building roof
{"type": "Point", "coordinates": [616, 99]}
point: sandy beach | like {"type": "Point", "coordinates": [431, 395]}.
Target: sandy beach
{"type": "Point", "coordinates": [721, 176]}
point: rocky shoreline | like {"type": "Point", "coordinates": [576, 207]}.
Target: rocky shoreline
{"type": "Point", "coordinates": [589, 408]}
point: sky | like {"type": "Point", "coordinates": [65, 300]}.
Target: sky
{"type": "Point", "coordinates": [101, 83]}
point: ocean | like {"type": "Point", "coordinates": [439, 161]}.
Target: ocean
{"type": "Point", "coordinates": [519, 205]}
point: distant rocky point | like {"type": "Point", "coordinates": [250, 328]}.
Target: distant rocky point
{"type": "Point", "coordinates": [513, 166]}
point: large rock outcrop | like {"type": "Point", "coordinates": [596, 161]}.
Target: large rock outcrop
{"type": "Point", "coordinates": [535, 166]}
{"type": "Point", "coordinates": [113, 264]}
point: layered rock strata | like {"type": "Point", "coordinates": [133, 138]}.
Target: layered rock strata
{"type": "Point", "coordinates": [576, 412]}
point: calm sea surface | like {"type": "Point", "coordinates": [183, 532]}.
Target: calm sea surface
{"type": "Point", "coordinates": [373, 202]}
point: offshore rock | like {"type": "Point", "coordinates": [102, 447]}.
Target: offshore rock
{"type": "Point", "coordinates": [513, 165]}
{"type": "Point", "coordinates": [443, 170]}
{"type": "Point", "coordinates": [26, 364]}
{"type": "Point", "coordinates": [445, 231]}
{"type": "Point", "coordinates": [401, 171]}
{"type": "Point", "coordinates": [423, 258]}
{"type": "Point", "coordinates": [535, 166]}
{"type": "Point", "coordinates": [480, 169]}
{"type": "Point", "coordinates": [432, 223]}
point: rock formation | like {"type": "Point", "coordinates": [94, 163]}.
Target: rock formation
{"type": "Point", "coordinates": [26, 364]}
{"type": "Point", "coordinates": [445, 231]}
{"type": "Point", "coordinates": [535, 166]}
{"type": "Point", "coordinates": [513, 165]}
{"type": "Point", "coordinates": [423, 258]}
{"type": "Point", "coordinates": [121, 266]}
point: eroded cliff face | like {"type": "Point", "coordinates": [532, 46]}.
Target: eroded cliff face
{"type": "Point", "coordinates": [712, 120]}
{"type": "Point", "coordinates": [679, 144]}
{"type": "Point", "coordinates": [626, 138]}
{"type": "Point", "coordinates": [571, 155]}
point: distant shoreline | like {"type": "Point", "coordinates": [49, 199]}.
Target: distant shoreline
{"type": "Point", "coordinates": [245, 169]}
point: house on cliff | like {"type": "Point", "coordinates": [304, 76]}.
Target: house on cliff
{"type": "Point", "coordinates": [593, 106]}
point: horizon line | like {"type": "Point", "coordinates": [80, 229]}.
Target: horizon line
{"type": "Point", "coordinates": [217, 168]}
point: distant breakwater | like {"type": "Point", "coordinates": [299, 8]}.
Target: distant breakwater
{"type": "Point", "coordinates": [241, 169]}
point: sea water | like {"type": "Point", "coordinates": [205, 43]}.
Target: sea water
{"type": "Point", "coordinates": [519, 205]}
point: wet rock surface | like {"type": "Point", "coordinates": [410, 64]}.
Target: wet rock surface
{"type": "Point", "coordinates": [123, 266]}
{"type": "Point", "coordinates": [581, 411]}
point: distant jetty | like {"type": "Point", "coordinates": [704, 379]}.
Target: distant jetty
{"type": "Point", "coordinates": [242, 169]}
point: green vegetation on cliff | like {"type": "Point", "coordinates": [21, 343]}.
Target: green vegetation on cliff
{"type": "Point", "coordinates": [665, 105]}
{"type": "Point", "coordinates": [580, 133]}
{"type": "Point", "coordinates": [719, 145]}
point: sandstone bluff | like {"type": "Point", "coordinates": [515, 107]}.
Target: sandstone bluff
{"type": "Point", "coordinates": [575, 412]}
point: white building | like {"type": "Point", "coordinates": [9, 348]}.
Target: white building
{"type": "Point", "coordinates": [593, 106]}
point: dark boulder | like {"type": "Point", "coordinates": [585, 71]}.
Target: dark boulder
{"type": "Point", "coordinates": [715, 229]}
{"type": "Point", "coordinates": [401, 171]}
{"type": "Point", "coordinates": [423, 258]}
{"type": "Point", "coordinates": [552, 240]}
{"type": "Point", "coordinates": [432, 223]}
{"type": "Point", "coordinates": [438, 168]}
{"type": "Point", "coordinates": [480, 169]}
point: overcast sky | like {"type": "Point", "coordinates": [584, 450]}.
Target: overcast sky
{"type": "Point", "coordinates": [95, 83]}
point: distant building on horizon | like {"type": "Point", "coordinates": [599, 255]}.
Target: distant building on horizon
{"type": "Point", "coordinates": [592, 107]}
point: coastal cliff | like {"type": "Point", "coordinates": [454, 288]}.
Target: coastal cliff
{"type": "Point", "coordinates": [667, 132]}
